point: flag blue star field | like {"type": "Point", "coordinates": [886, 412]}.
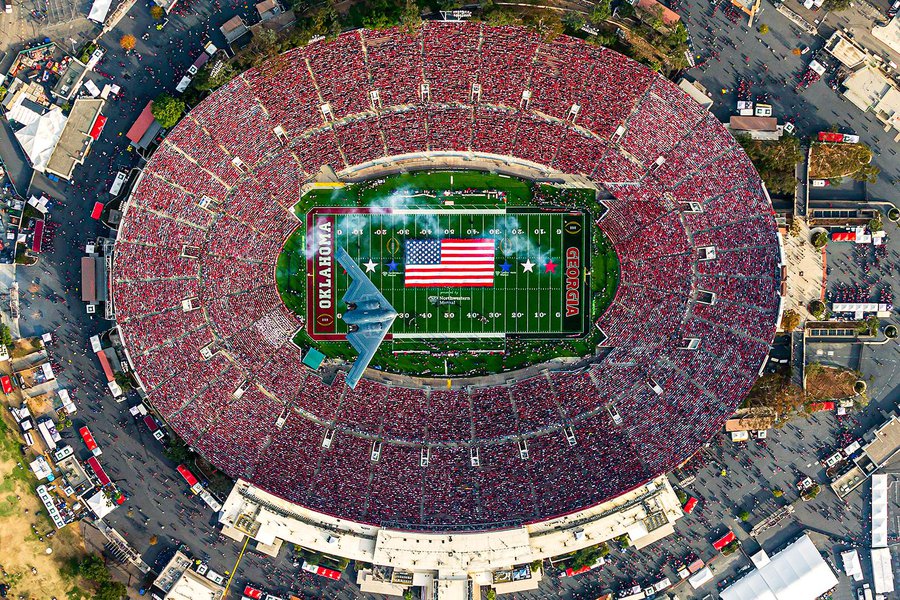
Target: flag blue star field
{"type": "Point", "coordinates": [450, 263]}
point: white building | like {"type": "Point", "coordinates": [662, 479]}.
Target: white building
{"type": "Point", "coordinates": [446, 564]}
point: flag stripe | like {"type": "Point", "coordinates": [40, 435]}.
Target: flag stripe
{"type": "Point", "coordinates": [450, 262]}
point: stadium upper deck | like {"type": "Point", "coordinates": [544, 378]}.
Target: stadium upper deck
{"type": "Point", "coordinates": [691, 323]}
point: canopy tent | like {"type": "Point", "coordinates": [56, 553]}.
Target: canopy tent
{"type": "Point", "coordinates": [882, 571]}
{"type": "Point", "coordinates": [702, 576]}
{"type": "Point", "coordinates": [39, 139]}
{"type": "Point", "coordinates": [796, 573]}
{"type": "Point", "coordinates": [879, 511]}
{"type": "Point", "coordinates": [852, 566]}
{"type": "Point", "coordinates": [100, 504]}
{"type": "Point", "coordinates": [99, 10]}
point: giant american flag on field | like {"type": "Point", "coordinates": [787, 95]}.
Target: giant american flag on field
{"type": "Point", "coordinates": [450, 263]}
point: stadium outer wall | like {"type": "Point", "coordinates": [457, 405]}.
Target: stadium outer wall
{"type": "Point", "coordinates": [612, 173]}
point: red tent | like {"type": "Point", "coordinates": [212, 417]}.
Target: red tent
{"type": "Point", "coordinates": [843, 236]}
{"type": "Point", "coordinates": [107, 369]}
{"type": "Point", "coordinates": [820, 406]}
{"type": "Point", "coordinates": [98, 208]}
{"type": "Point", "coordinates": [98, 470]}
{"type": "Point", "coordinates": [828, 136]}
{"type": "Point", "coordinates": [690, 505]}
{"type": "Point", "coordinates": [38, 236]}
{"type": "Point", "coordinates": [97, 127]}
{"type": "Point", "coordinates": [7, 384]}
{"type": "Point", "coordinates": [570, 572]}
{"type": "Point", "coordinates": [723, 541]}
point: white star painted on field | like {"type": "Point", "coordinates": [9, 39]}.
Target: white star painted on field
{"type": "Point", "coordinates": [528, 266]}
{"type": "Point", "coordinates": [370, 266]}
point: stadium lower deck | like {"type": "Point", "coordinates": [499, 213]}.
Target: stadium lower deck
{"type": "Point", "coordinates": [212, 211]}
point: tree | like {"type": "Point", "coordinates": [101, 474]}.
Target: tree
{"type": "Point", "coordinates": [178, 452]}
{"type": "Point", "coordinates": [211, 78]}
{"type": "Point", "coordinates": [875, 224]}
{"type": "Point", "coordinates": [154, 540]}
{"type": "Point", "coordinates": [601, 12]}
{"type": "Point", "coordinates": [111, 590]}
{"type": "Point", "coordinates": [763, 29]}
{"type": "Point", "coordinates": [790, 320]}
{"type": "Point", "coordinates": [94, 569]}
{"type": "Point", "coordinates": [157, 12]}
{"type": "Point", "coordinates": [894, 215]}
{"type": "Point", "coordinates": [817, 309]}
{"type": "Point", "coordinates": [869, 326]}
{"type": "Point", "coordinates": [573, 21]}
{"type": "Point", "coordinates": [775, 161]}
{"type": "Point", "coordinates": [128, 42]}
{"type": "Point", "coordinates": [167, 110]}
{"type": "Point", "coordinates": [868, 173]}
{"type": "Point", "coordinates": [775, 391]}
{"type": "Point", "coordinates": [411, 16]}
{"type": "Point", "coordinates": [777, 493]}
{"type": "Point", "coordinates": [744, 516]}
{"type": "Point", "coordinates": [124, 381]}
{"type": "Point", "coordinates": [819, 239]}
{"type": "Point", "coordinates": [836, 5]}
{"type": "Point", "coordinates": [6, 336]}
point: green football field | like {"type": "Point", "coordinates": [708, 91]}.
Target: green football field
{"type": "Point", "coordinates": [532, 311]}
{"type": "Point", "coordinates": [537, 278]}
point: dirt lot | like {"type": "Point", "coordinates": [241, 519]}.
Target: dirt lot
{"type": "Point", "coordinates": [829, 383]}
{"type": "Point", "coordinates": [22, 547]}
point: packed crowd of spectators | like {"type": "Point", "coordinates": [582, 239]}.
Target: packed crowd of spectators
{"type": "Point", "coordinates": [197, 251]}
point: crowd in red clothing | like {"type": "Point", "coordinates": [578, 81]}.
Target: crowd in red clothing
{"type": "Point", "coordinates": [195, 259]}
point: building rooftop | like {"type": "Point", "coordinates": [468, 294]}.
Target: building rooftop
{"type": "Point", "coordinates": [738, 123]}
{"type": "Point", "coordinates": [80, 131]}
{"type": "Point", "coordinates": [886, 442]}
{"type": "Point", "coordinates": [193, 586]}
{"type": "Point", "coordinates": [845, 50]}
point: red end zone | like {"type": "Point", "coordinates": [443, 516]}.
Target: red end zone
{"type": "Point", "coordinates": [322, 271]}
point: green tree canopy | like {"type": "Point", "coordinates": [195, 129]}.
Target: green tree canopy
{"type": "Point", "coordinates": [94, 569]}
{"type": "Point", "coordinates": [5, 336]}
{"type": "Point", "coordinates": [111, 590]}
{"type": "Point", "coordinates": [602, 11]}
{"type": "Point", "coordinates": [167, 110]}
{"type": "Point", "coordinates": [775, 161]}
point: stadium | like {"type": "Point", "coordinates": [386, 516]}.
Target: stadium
{"type": "Point", "coordinates": [621, 190]}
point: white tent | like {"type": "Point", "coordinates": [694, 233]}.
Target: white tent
{"type": "Point", "coordinates": [702, 576]}
{"type": "Point", "coordinates": [100, 504]}
{"type": "Point", "coordinates": [882, 570]}
{"type": "Point", "coordinates": [39, 139]}
{"type": "Point", "coordinates": [796, 573]}
{"type": "Point", "coordinates": [99, 10]}
{"type": "Point", "coordinates": [879, 511]}
{"type": "Point", "coordinates": [852, 566]}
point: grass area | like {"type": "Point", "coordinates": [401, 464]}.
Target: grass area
{"type": "Point", "coordinates": [521, 232]}
{"type": "Point", "coordinates": [832, 161]}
